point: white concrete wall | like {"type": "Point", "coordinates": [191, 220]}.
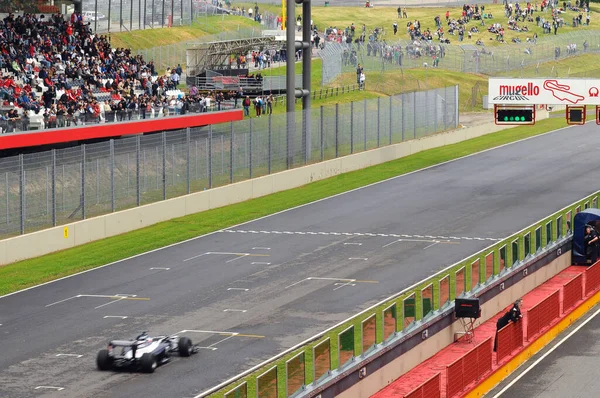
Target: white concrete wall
{"type": "Point", "coordinates": [54, 239]}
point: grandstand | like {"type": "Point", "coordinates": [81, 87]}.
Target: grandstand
{"type": "Point", "coordinates": [55, 72]}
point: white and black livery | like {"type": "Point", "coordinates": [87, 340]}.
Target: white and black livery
{"type": "Point", "coordinates": [144, 353]}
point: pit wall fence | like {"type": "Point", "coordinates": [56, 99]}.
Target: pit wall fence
{"type": "Point", "coordinates": [61, 186]}
{"type": "Point", "coordinates": [334, 361]}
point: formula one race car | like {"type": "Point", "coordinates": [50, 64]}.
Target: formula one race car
{"type": "Point", "coordinates": [144, 353]}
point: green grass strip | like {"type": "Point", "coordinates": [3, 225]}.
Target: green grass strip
{"type": "Point", "coordinates": [30, 272]}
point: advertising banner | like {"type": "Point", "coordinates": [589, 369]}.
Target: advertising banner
{"type": "Point", "coordinates": [551, 91]}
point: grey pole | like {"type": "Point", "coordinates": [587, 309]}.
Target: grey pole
{"type": "Point", "coordinates": [162, 16]}
{"type": "Point", "coordinates": [53, 188]}
{"type": "Point", "coordinates": [392, 118]}
{"type": "Point", "coordinates": [414, 114]}
{"type": "Point", "coordinates": [22, 192]}
{"type": "Point", "coordinates": [352, 127]}
{"type": "Point", "coordinates": [83, 181]}
{"type": "Point", "coordinates": [210, 163]}
{"type": "Point", "coordinates": [269, 144]}
{"type": "Point", "coordinates": [379, 122]}
{"type": "Point", "coordinates": [109, 7]}
{"type": "Point", "coordinates": [164, 165]}
{"type": "Point", "coordinates": [231, 152]}
{"type": "Point", "coordinates": [144, 19]}
{"type": "Point", "coordinates": [138, 149]}
{"type": "Point", "coordinates": [306, 69]}
{"type": "Point", "coordinates": [121, 16]}
{"type": "Point", "coordinates": [172, 13]}
{"type": "Point", "coordinates": [365, 124]}
{"type": "Point", "coordinates": [322, 137]}
{"type": "Point", "coordinates": [290, 82]}
{"type": "Point", "coordinates": [337, 142]}
{"type": "Point", "coordinates": [250, 151]}
{"type": "Point", "coordinates": [96, 16]}
{"type": "Point", "coordinates": [130, 15]}
{"type": "Point", "coordinates": [187, 170]}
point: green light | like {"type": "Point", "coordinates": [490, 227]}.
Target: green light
{"type": "Point", "coordinates": [511, 119]}
{"type": "Point", "coordinates": [506, 118]}
{"type": "Point", "coordinates": [522, 118]}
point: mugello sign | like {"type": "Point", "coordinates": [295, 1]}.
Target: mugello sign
{"type": "Point", "coordinates": [551, 91]}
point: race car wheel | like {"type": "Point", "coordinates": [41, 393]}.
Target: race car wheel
{"type": "Point", "coordinates": [185, 347]}
{"type": "Point", "coordinates": [103, 360]}
{"type": "Point", "coordinates": [148, 363]}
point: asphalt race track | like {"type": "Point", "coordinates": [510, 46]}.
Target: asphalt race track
{"type": "Point", "coordinates": [285, 277]}
{"type": "Point", "coordinates": [567, 367]}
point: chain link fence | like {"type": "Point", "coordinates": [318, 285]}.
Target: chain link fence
{"type": "Point", "coordinates": [106, 16]}
{"type": "Point", "coordinates": [60, 186]}
{"type": "Point", "coordinates": [502, 60]}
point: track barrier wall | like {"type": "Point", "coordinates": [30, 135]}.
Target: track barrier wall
{"type": "Point", "coordinates": [572, 292]}
{"type": "Point", "coordinates": [64, 185]}
{"type": "Point", "coordinates": [409, 304]}
{"type": "Point", "coordinates": [469, 368]}
{"type": "Point", "coordinates": [429, 389]}
{"type": "Point", "coordinates": [476, 365]}
{"type": "Point", "coordinates": [592, 279]}
{"type": "Point", "coordinates": [542, 315]}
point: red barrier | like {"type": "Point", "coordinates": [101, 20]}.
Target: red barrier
{"type": "Point", "coordinates": [110, 130]}
{"type": "Point", "coordinates": [572, 292]}
{"type": "Point", "coordinates": [484, 356]}
{"type": "Point", "coordinates": [542, 314]}
{"type": "Point", "coordinates": [454, 378]}
{"type": "Point", "coordinates": [430, 389]}
{"type": "Point", "coordinates": [468, 368]}
{"type": "Point", "coordinates": [592, 278]}
{"type": "Point", "coordinates": [510, 338]}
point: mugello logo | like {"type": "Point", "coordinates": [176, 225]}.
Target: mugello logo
{"type": "Point", "coordinates": [518, 92]}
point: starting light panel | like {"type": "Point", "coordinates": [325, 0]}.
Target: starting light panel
{"type": "Point", "coordinates": [515, 114]}
{"type": "Point", "coordinates": [575, 115]}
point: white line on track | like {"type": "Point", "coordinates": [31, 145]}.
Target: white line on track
{"type": "Point", "coordinates": [49, 388]}
{"type": "Point", "coordinates": [260, 263]}
{"type": "Point", "coordinates": [160, 268]}
{"type": "Point", "coordinates": [115, 316]}
{"type": "Point", "coordinates": [387, 180]}
{"type": "Point", "coordinates": [352, 243]}
{"type": "Point", "coordinates": [550, 351]}
{"type": "Point", "coordinates": [361, 234]}
{"type": "Point", "coordinates": [431, 245]}
{"type": "Point", "coordinates": [237, 258]}
{"type": "Point", "coordinates": [358, 258]}
{"type": "Point", "coordinates": [110, 302]}
{"type": "Point", "coordinates": [233, 310]}
{"type": "Point", "coordinates": [238, 288]}
{"type": "Point", "coordinates": [69, 355]}
{"type": "Point", "coordinates": [261, 248]}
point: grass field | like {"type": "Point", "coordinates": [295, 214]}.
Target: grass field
{"type": "Point", "coordinates": [149, 38]}
{"type": "Point", "coordinates": [342, 17]}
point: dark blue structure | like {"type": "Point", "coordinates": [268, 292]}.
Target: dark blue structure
{"type": "Point", "coordinates": [589, 216]}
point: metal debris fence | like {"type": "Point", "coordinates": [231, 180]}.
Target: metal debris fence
{"type": "Point", "coordinates": [60, 186]}
{"type": "Point", "coordinates": [513, 59]}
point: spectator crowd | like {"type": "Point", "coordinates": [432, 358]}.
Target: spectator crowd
{"type": "Point", "coordinates": [55, 72]}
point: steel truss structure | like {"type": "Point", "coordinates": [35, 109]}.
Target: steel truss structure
{"type": "Point", "coordinates": [215, 55]}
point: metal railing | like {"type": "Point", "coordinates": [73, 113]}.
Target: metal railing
{"type": "Point", "coordinates": [60, 186]}
{"type": "Point", "coordinates": [30, 121]}
{"type": "Point", "coordinates": [389, 322]}
{"type": "Point", "coordinates": [106, 16]}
